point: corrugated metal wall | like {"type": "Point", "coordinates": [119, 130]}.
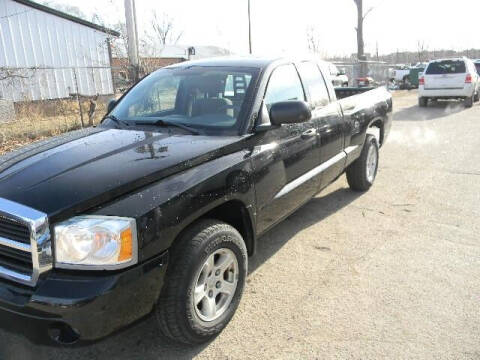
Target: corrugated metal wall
{"type": "Point", "coordinates": [45, 56]}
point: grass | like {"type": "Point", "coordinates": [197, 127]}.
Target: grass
{"type": "Point", "coordinates": [38, 121]}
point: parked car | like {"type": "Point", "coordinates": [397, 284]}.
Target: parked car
{"type": "Point", "coordinates": [411, 81]}
{"type": "Point", "coordinates": [449, 79]}
{"type": "Point", "coordinates": [338, 76]}
{"type": "Point", "coordinates": [366, 81]}
{"type": "Point", "coordinates": [399, 74]}
{"type": "Point", "coordinates": [159, 207]}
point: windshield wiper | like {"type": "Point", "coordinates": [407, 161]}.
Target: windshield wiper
{"type": "Point", "coordinates": [117, 121]}
{"type": "Point", "coordinates": [162, 122]}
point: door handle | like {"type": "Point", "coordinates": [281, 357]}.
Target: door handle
{"type": "Point", "coordinates": [309, 133]}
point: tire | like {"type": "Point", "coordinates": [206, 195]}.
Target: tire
{"type": "Point", "coordinates": [422, 101]}
{"type": "Point", "coordinates": [360, 176]}
{"type": "Point", "coordinates": [180, 317]}
{"type": "Point", "coordinates": [345, 84]}
{"type": "Point", "coordinates": [469, 101]}
{"type": "Point", "coordinates": [476, 97]}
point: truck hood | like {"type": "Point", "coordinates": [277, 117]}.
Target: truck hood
{"type": "Point", "coordinates": [80, 174]}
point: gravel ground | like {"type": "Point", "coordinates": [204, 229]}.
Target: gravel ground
{"type": "Point", "coordinates": [392, 273]}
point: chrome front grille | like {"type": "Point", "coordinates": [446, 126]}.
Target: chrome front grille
{"type": "Point", "coordinates": [25, 247]}
{"type": "Point", "coordinates": [14, 230]}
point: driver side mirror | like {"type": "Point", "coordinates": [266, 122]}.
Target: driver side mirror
{"type": "Point", "coordinates": [290, 112]}
{"type": "Point", "coordinates": [111, 104]}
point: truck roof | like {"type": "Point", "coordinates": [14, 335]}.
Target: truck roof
{"type": "Point", "coordinates": [240, 61]}
{"type": "Point", "coordinates": [245, 61]}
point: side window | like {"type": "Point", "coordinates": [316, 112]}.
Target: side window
{"type": "Point", "coordinates": [314, 82]}
{"type": "Point", "coordinates": [284, 85]}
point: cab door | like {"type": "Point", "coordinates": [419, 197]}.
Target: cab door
{"type": "Point", "coordinates": [332, 135]}
{"type": "Point", "coordinates": [328, 119]}
{"type": "Point", "coordinates": [287, 157]}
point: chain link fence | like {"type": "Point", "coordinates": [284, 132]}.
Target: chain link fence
{"type": "Point", "coordinates": [43, 101]}
{"type": "Point", "coordinates": [40, 102]}
{"type": "Point", "coordinates": [380, 72]}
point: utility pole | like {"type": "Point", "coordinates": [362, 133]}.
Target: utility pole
{"type": "Point", "coordinates": [132, 37]}
{"type": "Point", "coordinates": [249, 30]}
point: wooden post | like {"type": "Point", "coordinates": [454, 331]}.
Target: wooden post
{"type": "Point", "coordinates": [78, 96]}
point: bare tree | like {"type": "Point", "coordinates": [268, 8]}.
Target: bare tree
{"type": "Point", "coordinates": [162, 32]}
{"type": "Point", "coordinates": [66, 8]}
{"type": "Point", "coordinates": [164, 29]}
{"type": "Point", "coordinates": [314, 42]}
{"type": "Point", "coordinates": [120, 43]}
{"type": "Point", "coordinates": [312, 39]}
{"type": "Point", "coordinates": [359, 29]}
{"type": "Point", "coordinates": [422, 50]}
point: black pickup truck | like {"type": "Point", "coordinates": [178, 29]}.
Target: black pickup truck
{"type": "Point", "coordinates": [160, 206]}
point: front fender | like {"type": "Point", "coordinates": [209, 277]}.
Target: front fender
{"type": "Point", "coordinates": [164, 209]}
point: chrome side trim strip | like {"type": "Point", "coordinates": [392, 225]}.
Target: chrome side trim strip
{"type": "Point", "coordinates": [40, 241]}
{"type": "Point", "coordinates": [15, 245]}
{"type": "Point", "coordinates": [351, 149]}
{"type": "Point", "coordinates": [310, 174]}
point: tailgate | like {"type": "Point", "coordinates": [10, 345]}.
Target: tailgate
{"type": "Point", "coordinates": [445, 81]}
{"type": "Point", "coordinates": [445, 74]}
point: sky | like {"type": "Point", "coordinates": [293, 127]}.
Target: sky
{"type": "Point", "coordinates": [280, 26]}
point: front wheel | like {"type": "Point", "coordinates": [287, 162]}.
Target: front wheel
{"type": "Point", "coordinates": [204, 282]}
{"type": "Point", "coordinates": [362, 172]}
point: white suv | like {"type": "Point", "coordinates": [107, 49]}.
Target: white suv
{"type": "Point", "coordinates": [449, 79]}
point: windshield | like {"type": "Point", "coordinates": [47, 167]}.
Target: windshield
{"type": "Point", "coordinates": [203, 97]}
{"type": "Point", "coordinates": [446, 67]}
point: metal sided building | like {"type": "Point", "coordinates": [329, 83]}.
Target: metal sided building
{"type": "Point", "coordinates": [48, 54]}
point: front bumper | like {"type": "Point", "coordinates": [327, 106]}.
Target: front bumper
{"type": "Point", "coordinates": [69, 307]}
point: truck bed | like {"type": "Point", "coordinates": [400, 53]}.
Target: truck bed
{"type": "Point", "coordinates": [343, 92]}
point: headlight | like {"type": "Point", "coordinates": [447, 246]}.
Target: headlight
{"type": "Point", "coordinates": [96, 243]}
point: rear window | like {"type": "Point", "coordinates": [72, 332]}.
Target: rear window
{"type": "Point", "coordinates": [315, 83]}
{"type": "Point", "coordinates": [446, 67]}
